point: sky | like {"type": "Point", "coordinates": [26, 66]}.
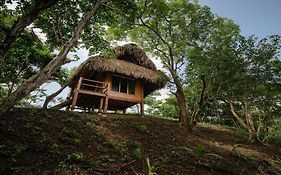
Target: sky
{"type": "Point", "coordinates": [255, 17]}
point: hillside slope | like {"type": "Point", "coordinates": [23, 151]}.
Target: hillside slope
{"type": "Point", "coordinates": [57, 142]}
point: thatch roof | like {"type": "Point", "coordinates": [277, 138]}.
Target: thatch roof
{"type": "Point", "coordinates": [134, 54]}
{"type": "Point", "coordinates": [129, 60]}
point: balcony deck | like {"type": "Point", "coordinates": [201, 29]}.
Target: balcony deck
{"type": "Point", "coordinates": [96, 94]}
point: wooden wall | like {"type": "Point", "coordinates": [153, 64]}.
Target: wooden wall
{"type": "Point", "coordinates": [137, 97]}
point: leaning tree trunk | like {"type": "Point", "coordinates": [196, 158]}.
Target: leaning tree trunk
{"type": "Point", "coordinates": [253, 131]}
{"type": "Point", "coordinates": [52, 96]}
{"type": "Point", "coordinates": [185, 119]}
{"type": "Point", "coordinates": [22, 23]}
{"type": "Point", "coordinates": [38, 79]}
{"type": "Point", "coordinates": [250, 128]}
{"type": "Point", "coordinates": [62, 104]}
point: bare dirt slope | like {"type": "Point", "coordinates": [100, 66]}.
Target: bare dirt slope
{"type": "Point", "coordinates": [55, 142]}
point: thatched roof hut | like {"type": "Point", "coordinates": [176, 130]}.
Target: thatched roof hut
{"type": "Point", "coordinates": [128, 60]}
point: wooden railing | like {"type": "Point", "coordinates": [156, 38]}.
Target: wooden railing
{"type": "Point", "coordinates": [93, 85]}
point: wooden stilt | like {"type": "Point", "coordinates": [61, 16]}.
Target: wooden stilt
{"type": "Point", "coordinates": [76, 92]}
{"type": "Point", "coordinates": [74, 100]}
{"type": "Point", "coordinates": [101, 104]}
{"type": "Point", "coordinates": [105, 104]}
{"type": "Point", "coordinates": [124, 111]}
{"type": "Point", "coordinates": [142, 102]}
{"type": "Point", "coordinates": [106, 99]}
{"type": "Point", "coordinates": [69, 96]}
{"type": "Point", "coordinates": [142, 108]}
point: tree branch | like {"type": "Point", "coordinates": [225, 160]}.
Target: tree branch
{"type": "Point", "coordinates": [38, 79]}
{"type": "Point", "coordinates": [235, 115]}
{"type": "Point", "coordinates": [61, 105]}
{"type": "Point", "coordinates": [52, 96]}
{"type": "Point", "coordinates": [22, 23]}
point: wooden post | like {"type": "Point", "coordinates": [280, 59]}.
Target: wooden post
{"type": "Point", "coordinates": [105, 104]}
{"type": "Point", "coordinates": [69, 96]}
{"type": "Point", "coordinates": [101, 104]}
{"type": "Point", "coordinates": [142, 102]}
{"type": "Point", "coordinates": [76, 92]}
{"type": "Point", "coordinates": [124, 111]}
{"type": "Point", "coordinates": [106, 99]}
{"type": "Point", "coordinates": [142, 108]}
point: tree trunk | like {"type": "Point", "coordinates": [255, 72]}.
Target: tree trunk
{"type": "Point", "coordinates": [22, 23]}
{"type": "Point", "coordinates": [185, 118]}
{"type": "Point", "coordinates": [237, 118]}
{"type": "Point", "coordinates": [253, 132]}
{"type": "Point", "coordinates": [250, 128]}
{"type": "Point", "coordinates": [61, 105]}
{"type": "Point", "coordinates": [52, 96]}
{"type": "Point", "coordinates": [38, 79]}
{"type": "Point", "coordinates": [197, 110]}
{"type": "Point", "coordinates": [254, 137]}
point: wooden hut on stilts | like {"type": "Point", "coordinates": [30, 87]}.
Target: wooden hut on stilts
{"type": "Point", "coordinates": [116, 82]}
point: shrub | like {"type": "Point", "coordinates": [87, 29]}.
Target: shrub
{"type": "Point", "coordinates": [55, 148]}
{"type": "Point", "coordinates": [198, 151]}
{"type": "Point", "coordinates": [143, 129]}
{"type": "Point", "coordinates": [137, 153]}
{"type": "Point", "coordinates": [76, 157]}
{"type": "Point", "coordinates": [72, 133]}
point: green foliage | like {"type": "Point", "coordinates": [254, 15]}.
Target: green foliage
{"type": "Point", "coordinates": [44, 121]}
{"type": "Point", "coordinates": [70, 119]}
{"type": "Point", "coordinates": [138, 153]}
{"type": "Point", "coordinates": [167, 108]}
{"type": "Point", "coordinates": [71, 133]}
{"type": "Point", "coordinates": [106, 158]}
{"type": "Point", "coordinates": [234, 148]}
{"type": "Point", "coordinates": [74, 158]}
{"type": "Point", "coordinates": [90, 124]}
{"type": "Point", "coordinates": [242, 134]}
{"type": "Point", "coordinates": [19, 149]}
{"type": "Point", "coordinates": [198, 151]}
{"type": "Point", "coordinates": [55, 149]}
{"type": "Point", "coordinates": [274, 136]}
{"type": "Point", "coordinates": [116, 147]}
{"type": "Point", "coordinates": [77, 142]}
{"type": "Point", "coordinates": [143, 129]}
{"type": "Point", "coordinates": [116, 13]}
{"type": "Point", "coordinates": [151, 169]}
{"type": "Point", "coordinates": [26, 57]}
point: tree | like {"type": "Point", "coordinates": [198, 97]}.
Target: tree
{"type": "Point", "coordinates": [104, 15]}
{"type": "Point", "coordinates": [38, 79]}
{"type": "Point", "coordinates": [259, 97]}
{"type": "Point", "coordinates": [166, 108]}
{"type": "Point", "coordinates": [33, 53]}
{"type": "Point", "coordinates": [168, 29]}
{"type": "Point", "coordinates": [22, 22]}
{"type": "Point", "coordinates": [241, 73]}
{"type": "Point", "coordinates": [215, 58]}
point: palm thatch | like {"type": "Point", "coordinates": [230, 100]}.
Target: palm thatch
{"type": "Point", "coordinates": [134, 54]}
{"type": "Point", "coordinates": [129, 60]}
